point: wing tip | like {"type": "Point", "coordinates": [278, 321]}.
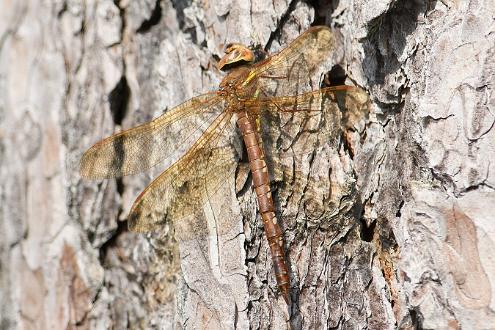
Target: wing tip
{"type": "Point", "coordinates": [96, 165]}
{"type": "Point", "coordinates": [87, 166]}
{"type": "Point", "coordinates": [132, 222]}
{"type": "Point", "coordinates": [322, 36]}
{"type": "Point", "coordinates": [136, 224]}
{"type": "Point", "coordinates": [135, 219]}
{"type": "Point", "coordinates": [133, 226]}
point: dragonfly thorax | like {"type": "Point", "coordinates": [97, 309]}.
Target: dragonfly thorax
{"type": "Point", "coordinates": [237, 82]}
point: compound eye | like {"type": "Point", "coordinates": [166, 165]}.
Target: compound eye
{"type": "Point", "coordinates": [236, 54]}
{"type": "Point", "coordinates": [229, 48]}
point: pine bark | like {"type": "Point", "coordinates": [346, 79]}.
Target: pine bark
{"type": "Point", "coordinates": [407, 230]}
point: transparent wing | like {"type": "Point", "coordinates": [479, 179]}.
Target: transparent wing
{"type": "Point", "coordinates": [325, 111]}
{"type": "Point", "coordinates": [183, 189]}
{"type": "Point", "coordinates": [304, 137]}
{"type": "Point", "coordinates": [292, 71]}
{"type": "Point", "coordinates": [164, 138]}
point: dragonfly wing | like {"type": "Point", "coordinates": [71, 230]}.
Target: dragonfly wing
{"type": "Point", "coordinates": [303, 138]}
{"type": "Point", "coordinates": [183, 189]}
{"type": "Point", "coordinates": [164, 138]}
{"type": "Point", "coordinates": [325, 112]}
{"type": "Point", "coordinates": [292, 70]}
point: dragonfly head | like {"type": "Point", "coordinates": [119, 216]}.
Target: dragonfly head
{"type": "Point", "coordinates": [238, 54]}
{"type": "Point", "coordinates": [235, 54]}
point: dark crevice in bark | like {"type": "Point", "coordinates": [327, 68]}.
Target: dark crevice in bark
{"type": "Point", "coordinates": [194, 36]}
{"type": "Point", "coordinates": [119, 96]}
{"type": "Point", "coordinates": [446, 180]}
{"type": "Point", "coordinates": [216, 57]}
{"type": "Point", "coordinates": [367, 231]}
{"type": "Point", "coordinates": [323, 11]}
{"type": "Point", "coordinates": [415, 319]}
{"type": "Point", "coordinates": [246, 187]}
{"type": "Point", "coordinates": [180, 6]}
{"type": "Point", "coordinates": [62, 10]}
{"type": "Point", "coordinates": [335, 77]}
{"type": "Point", "coordinates": [388, 108]}
{"type": "Point", "coordinates": [112, 241]}
{"type": "Point", "coordinates": [389, 32]}
{"type": "Point", "coordinates": [398, 214]}
{"type": "Point", "coordinates": [122, 18]}
{"type": "Point", "coordinates": [119, 99]}
{"type": "Point", "coordinates": [120, 186]}
{"type": "Point", "coordinates": [429, 119]}
{"type": "Point", "coordinates": [236, 316]}
{"type": "Point", "coordinates": [252, 245]}
{"type": "Point", "coordinates": [283, 19]}
{"type": "Point", "coordinates": [473, 187]}
{"type": "Point", "coordinates": [154, 19]}
{"type": "Point", "coordinates": [345, 143]}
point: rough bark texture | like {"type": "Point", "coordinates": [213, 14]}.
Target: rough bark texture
{"type": "Point", "coordinates": [407, 232]}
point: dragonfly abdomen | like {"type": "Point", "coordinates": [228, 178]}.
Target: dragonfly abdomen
{"type": "Point", "coordinates": [261, 183]}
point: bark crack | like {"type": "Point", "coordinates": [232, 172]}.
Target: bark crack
{"type": "Point", "coordinates": [154, 19]}
{"type": "Point", "coordinates": [282, 21]}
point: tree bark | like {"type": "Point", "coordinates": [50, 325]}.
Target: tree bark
{"type": "Point", "coordinates": [390, 227]}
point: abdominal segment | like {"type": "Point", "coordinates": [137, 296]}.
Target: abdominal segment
{"type": "Point", "coordinates": [261, 185]}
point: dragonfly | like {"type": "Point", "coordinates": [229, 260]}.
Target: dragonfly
{"type": "Point", "coordinates": [195, 138]}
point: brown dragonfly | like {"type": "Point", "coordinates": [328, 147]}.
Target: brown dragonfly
{"type": "Point", "coordinates": [194, 137]}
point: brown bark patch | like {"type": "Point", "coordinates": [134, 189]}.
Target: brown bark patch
{"type": "Point", "coordinates": [471, 282]}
